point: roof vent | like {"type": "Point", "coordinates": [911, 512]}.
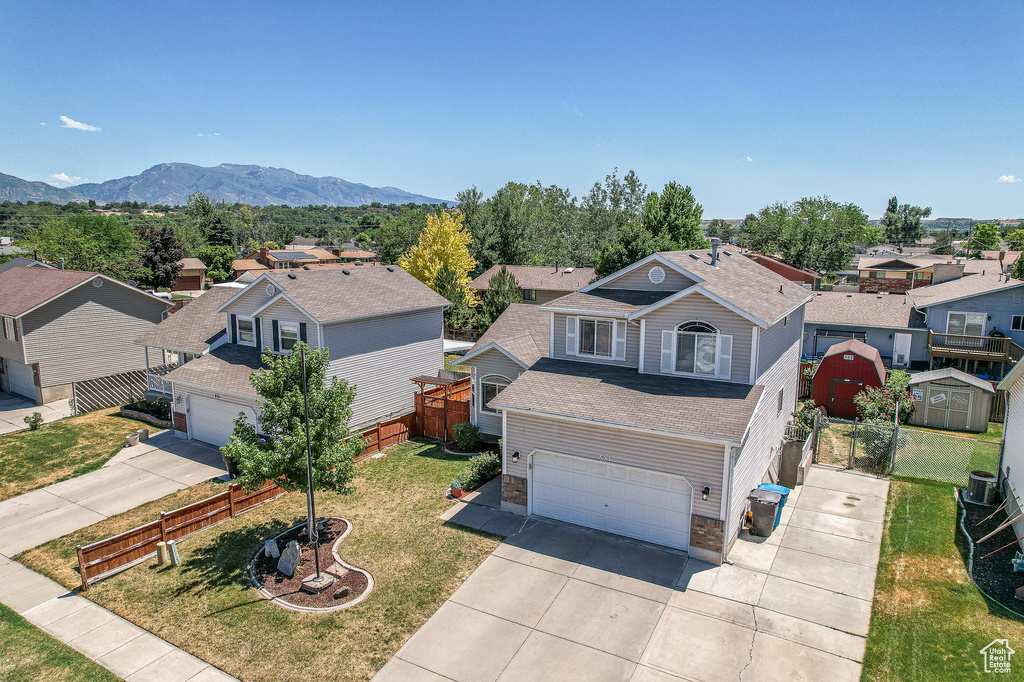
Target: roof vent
{"type": "Point", "coordinates": [357, 263]}
{"type": "Point", "coordinates": [695, 256]}
{"type": "Point", "coordinates": [390, 269]}
{"type": "Point", "coordinates": [849, 296]}
{"type": "Point", "coordinates": [97, 282]}
{"type": "Point", "coordinates": [305, 267]}
{"type": "Point", "coordinates": [780, 288]}
{"type": "Point", "coordinates": [292, 275]}
{"type": "Point", "coordinates": [879, 296]}
{"type": "Point", "coordinates": [567, 270]}
{"type": "Point", "coordinates": [727, 253]}
{"type": "Point", "coordinates": [346, 272]}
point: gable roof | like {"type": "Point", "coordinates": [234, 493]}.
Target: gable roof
{"type": "Point", "coordinates": [951, 373]}
{"type": "Point", "coordinates": [340, 294]}
{"type": "Point", "coordinates": [226, 369]}
{"type": "Point", "coordinates": [22, 262]}
{"type": "Point", "coordinates": [778, 261]}
{"type": "Point", "coordinates": [522, 332]}
{"type": "Point", "coordinates": [620, 396]}
{"type": "Point", "coordinates": [857, 348]}
{"type": "Point", "coordinates": [614, 302]}
{"type": "Point", "coordinates": [917, 262]}
{"type": "Point", "coordinates": [863, 310]}
{"type": "Point", "coordinates": [540, 277]}
{"type": "Point", "coordinates": [192, 264]}
{"type": "Point", "coordinates": [22, 290]}
{"type": "Point", "coordinates": [964, 287]}
{"type": "Point", "coordinates": [195, 327]}
{"type": "Point", "coordinates": [305, 241]}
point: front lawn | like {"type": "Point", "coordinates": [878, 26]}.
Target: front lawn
{"type": "Point", "coordinates": [31, 654]}
{"type": "Point", "coordinates": [928, 621]}
{"type": "Point", "coordinates": [208, 607]}
{"type": "Point", "coordinates": [60, 450]}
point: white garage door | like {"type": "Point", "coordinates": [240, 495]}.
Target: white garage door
{"type": "Point", "coordinates": [622, 500]}
{"type": "Point", "coordinates": [212, 421]}
{"type": "Point", "coordinates": [22, 379]}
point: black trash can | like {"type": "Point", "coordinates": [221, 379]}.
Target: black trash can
{"type": "Point", "coordinates": [764, 505]}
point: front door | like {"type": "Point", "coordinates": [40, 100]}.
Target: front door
{"type": "Point", "coordinates": [840, 402]}
{"type": "Point", "coordinates": [901, 350]}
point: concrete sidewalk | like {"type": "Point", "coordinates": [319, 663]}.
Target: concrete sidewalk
{"type": "Point", "coordinates": [137, 475]}
{"type": "Point", "coordinates": [14, 409]}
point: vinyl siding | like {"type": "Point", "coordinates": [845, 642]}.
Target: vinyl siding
{"type": "Point", "coordinates": [1012, 474]}
{"type": "Point", "coordinates": [9, 348]}
{"type": "Point", "coordinates": [88, 333]}
{"type": "Point", "coordinates": [380, 356]}
{"type": "Point", "coordinates": [638, 280]}
{"type": "Point", "coordinates": [774, 341]}
{"type": "Point", "coordinates": [283, 311]}
{"type": "Point", "coordinates": [998, 304]}
{"type": "Point", "coordinates": [544, 296]}
{"type": "Point", "coordinates": [761, 447]}
{"type": "Point", "coordinates": [254, 298]}
{"type": "Point", "coordinates": [632, 343]}
{"type": "Point", "coordinates": [876, 338]}
{"type": "Point", "coordinates": [699, 462]}
{"type": "Point", "coordinates": [697, 307]}
{"type": "Point", "coordinates": [488, 363]}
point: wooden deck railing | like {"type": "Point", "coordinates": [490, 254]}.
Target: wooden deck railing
{"type": "Point", "coordinates": [992, 348]}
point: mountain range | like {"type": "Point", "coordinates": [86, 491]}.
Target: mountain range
{"type": "Point", "coordinates": [171, 183]}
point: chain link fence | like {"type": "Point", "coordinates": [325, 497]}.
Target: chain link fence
{"type": "Point", "coordinates": [884, 449]}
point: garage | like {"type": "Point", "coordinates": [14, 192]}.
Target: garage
{"type": "Point", "coordinates": [22, 379]}
{"type": "Point", "coordinates": [640, 504]}
{"type": "Point", "coordinates": [212, 420]}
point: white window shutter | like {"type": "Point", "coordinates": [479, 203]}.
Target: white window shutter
{"type": "Point", "coordinates": [724, 356]}
{"type": "Point", "coordinates": [619, 348]}
{"type": "Point", "coordinates": [570, 335]}
{"type": "Point", "coordinates": [668, 347]}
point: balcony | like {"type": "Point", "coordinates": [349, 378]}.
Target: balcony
{"type": "Point", "coordinates": [155, 379]}
{"type": "Point", "coordinates": [966, 347]}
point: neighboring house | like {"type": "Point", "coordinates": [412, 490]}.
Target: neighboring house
{"type": "Point", "coordinates": [810, 278]}
{"type": "Point", "coordinates": [22, 262]}
{"type": "Point", "coordinates": [963, 314]}
{"type": "Point", "coordinates": [539, 283]}
{"type": "Point", "coordinates": [887, 322]}
{"type": "Point", "coordinates": [356, 255]}
{"type": "Point", "coordinates": [896, 274]}
{"type": "Point", "coordinates": [516, 340]}
{"type": "Point", "coordinates": [845, 370]}
{"type": "Point", "coordinates": [300, 243]}
{"type": "Point", "coordinates": [266, 259]}
{"type": "Point", "coordinates": [1011, 465]}
{"type": "Point", "coordinates": [950, 399]}
{"type": "Point", "coordinates": [381, 326]}
{"type": "Point", "coordinates": [192, 276]}
{"type": "Point", "coordinates": [662, 403]}
{"type": "Point", "coordinates": [63, 326]}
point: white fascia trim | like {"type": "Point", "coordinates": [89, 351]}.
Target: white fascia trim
{"type": "Point", "coordinates": [1011, 378]}
{"type": "Point", "coordinates": [164, 301]}
{"type": "Point", "coordinates": [493, 345]}
{"type": "Point", "coordinates": [211, 389]}
{"type": "Point", "coordinates": [551, 337]}
{"type": "Point", "coordinates": [178, 350]}
{"type": "Point", "coordinates": [754, 346]}
{"type": "Point", "coordinates": [643, 330]}
{"type": "Point", "coordinates": [617, 425]}
{"type": "Point", "coordinates": [727, 482]}
{"type": "Point", "coordinates": [753, 414]}
{"type": "Point", "coordinates": [391, 312]}
{"type": "Point", "coordinates": [706, 294]}
{"type": "Point", "coordinates": [961, 298]}
{"type": "Point", "coordinates": [277, 299]}
{"type": "Point", "coordinates": [265, 276]}
{"type": "Point", "coordinates": [654, 257]}
{"type": "Point", "coordinates": [830, 325]}
{"type": "Point", "coordinates": [576, 311]}
{"type": "Point", "coordinates": [795, 308]}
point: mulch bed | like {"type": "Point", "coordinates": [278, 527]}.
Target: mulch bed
{"type": "Point", "coordinates": [993, 574]}
{"type": "Point", "coordinates": [482, 449]}
{"type": "Point", "coordinates": [264, 570]}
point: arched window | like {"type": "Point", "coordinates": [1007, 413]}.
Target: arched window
{"type": "Point", "coordinates": [490, 386]}
{"type": "Point", "coordinates": [696, 348]}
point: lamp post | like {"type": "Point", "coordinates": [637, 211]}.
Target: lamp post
{"type": "Point", "coordinates": [310, 503]}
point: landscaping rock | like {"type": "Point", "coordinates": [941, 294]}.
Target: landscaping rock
{"type": "Point", "coordinates": [289, 559]}
{"type": "Point", "coordinates": [270, 549]}
{"type": "Point", "coordinates": [343, 592]}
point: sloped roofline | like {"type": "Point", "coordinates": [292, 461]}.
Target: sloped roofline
{"type": "Point", "coordinates": [277, 299]}
{"type": "Point", "coordinates": [86, 281]}
{"type": "Point", "coordinates": [241, 293]}
{"type": "Point", "coordinates": [961, 298]}
{"type": "Point", "coordinates": [493, 345]}
{"type": "Point", "coordinates": [653, 258]}
{"type": "Point", "coordinates": [697, 289]}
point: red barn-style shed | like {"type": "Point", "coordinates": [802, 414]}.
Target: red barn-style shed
{"type": "Point", "coordinates": [845, 369]}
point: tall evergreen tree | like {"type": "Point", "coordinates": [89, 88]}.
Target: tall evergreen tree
{"type": "Point", "coordinates": [502, 291]}
{"type": "Point", "coordinates": [162, 255]}
{"type": "Point", "coordinates": [458, 315]}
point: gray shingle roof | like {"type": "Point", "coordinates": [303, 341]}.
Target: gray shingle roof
{"type": "Point", "coordinates": [620, 301]}
{"type": "Point", "coordinates": [522, 330]}
{"type": "Point", "coordinates": [193, 328]}
{"type": "Point", "coordinates": [866, 310]}
{"type": "Point", "coordinates": [331, 295]}
{"type": "Point", "coordinates": [951, 373]}
{"type": "Point", "coordinates": [226, 368]}
{"type": "Point", "coordinates": [622, 396]}
{"type": "Point", "coordinates": [542, 277]}
{"type": "Point", "coordinates": [192, 264]}
{"type": "Point", "coordinates": [965, 287]}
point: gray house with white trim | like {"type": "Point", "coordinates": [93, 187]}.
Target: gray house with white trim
{"type": "Point", "coordinates": [661, 402]}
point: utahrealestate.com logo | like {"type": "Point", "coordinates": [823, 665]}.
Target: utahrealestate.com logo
{"type": "Point", "coordinates": [997, 656]}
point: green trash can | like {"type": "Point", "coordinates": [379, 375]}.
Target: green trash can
{"type": "Point", "coordinates": [764, 507]}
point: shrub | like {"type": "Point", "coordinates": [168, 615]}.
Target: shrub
{"type": "Point", "coordinates": [480, 469]}
{"type": "Point", "coordinates": [466, 435]}
{"type": "Point", "coordinates": [154, 408]}
{"type": "Point", "coordinates": [879, 404]}
{"type": "Point", "coordinates": [33, 421]}
{"type": "Point", "coordinates": [806, 414]}
{"type": "Point", "coordinates": [456, 485]}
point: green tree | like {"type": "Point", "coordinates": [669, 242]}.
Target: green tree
{"type": "Point", "coordinates": [200, 211]}
{"type": "Point", "coordinates": [984, 237]}
{"type": "Point", "coordinates": [99, 243]}
{"type": "Point", "coordinates": [162, 255]}
{"type": "Point", "coordinates": [502, 291]}
{"type": "Point", "coordinates": [274, 447]}
{"type": "Point", "coordinates": [1018, 269]}
{"type": "Point", "coordinates": [943, 243]}
{"type": "Point", "coordinates": [721, 229]}
{"type": "Point", "coordinates": [459, 315]}
{"type": "Point", "coordinates": [218, 260]}
{"type": "Point", "coordinates": [397, 234]}
{"type": "Point", "coordinates": [902, 222]}
{"type": "Point", "coordinates": [814, 232]}
{"type": "Point", "coordinates": [222, 231]}
{"type": "Point", "coordinates": [633, 243]}
{"type": "Point", "coordinates": [870, 235]}
{"type": "Point", "coordinates": [508, 238]}
{"type": "Point", "coordinates": [1015, 240]}
{"type": "Point", "coordinates": [674, 219]}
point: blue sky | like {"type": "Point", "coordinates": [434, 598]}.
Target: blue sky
{"type": "Point", "coordinates": [747, 102]}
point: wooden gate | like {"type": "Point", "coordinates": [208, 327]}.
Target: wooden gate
{"type": "Point", "coordinates": [439, 409]}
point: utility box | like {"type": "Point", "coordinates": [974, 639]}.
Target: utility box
{"type": "Point", "coordinates": [764, 507]}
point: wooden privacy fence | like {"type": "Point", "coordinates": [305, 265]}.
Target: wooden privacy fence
{"type": "Point", "coordinates": [804, 387]}
{"type": "Point", "coordinates": [107, 557]}
{"type": "Point", "coordinates": [387, 433]}
{"type": "Point", "coordinates": [436, 415]}
{"type": "Point", "coordinates": [110, 391]}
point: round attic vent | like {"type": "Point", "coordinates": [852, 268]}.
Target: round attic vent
{"type": "Point", "coordinates": [270, 290]}
{"type": "Point", "coordinates": [656, 274]}
{"type": "Point", "coordinates": [97, 282]}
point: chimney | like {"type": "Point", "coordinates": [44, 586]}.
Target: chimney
{"type": "Point", "coordinates": [1002, 254]}
{"type": "Point", "coordinates": [265, 255]}
{"type": "Point", "coordinates": [715, 241]}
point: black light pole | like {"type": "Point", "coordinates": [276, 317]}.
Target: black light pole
{"type": "Point", "coordinates": [310, 503]}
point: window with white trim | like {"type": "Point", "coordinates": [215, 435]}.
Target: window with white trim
{"type": "Point", "coordinates": [596, 337]}
{"type": "Point", "coordinates": [9, 328]}
{"type": "Point", "coordinates": [1018, 323]}
{"type": "Point", "coordinates": [245, 329]}
{"type": "Point", "coordinates": [287, 335]}
{"type": "Point", "coordinates": [529, 294]}
{"type": "Point", "coordinates": [968, 324]}
{"type": "Point", "coordinates": [696, 348]}
{"type": "Point", "coordinates": [490, 387]}
{"type": "Point", "coordinates": [781, 397]}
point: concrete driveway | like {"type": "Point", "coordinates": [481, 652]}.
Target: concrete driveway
{"type": "Point", "coordinates": [558, 602]}
{"type": "Point", "coordinates": [136, 475]}
{"type": "Point", "coordinates": [14, 409]}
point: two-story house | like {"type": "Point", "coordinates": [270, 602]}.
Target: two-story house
{"type": "Point", "coordinates": [538, 283]}
{"type": "Point", "coordinates": [381, 326]}
{"type": "Point", "coordinates": [662, 401]}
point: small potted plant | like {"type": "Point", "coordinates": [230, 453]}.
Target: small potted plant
{"type": "Point", "coordinates": [456, 488]}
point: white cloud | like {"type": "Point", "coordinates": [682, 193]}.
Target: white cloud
{"type": "Point", "coordinates": [1009, 178]}
{"type": "Point", "coordinates": [42, 123]}
{"type": "Point", "coordinates": [749, 159]}
{"type": "Point", "coordinates": [207, 134]}
{"type": "Point", "coordinates": [76, 125]}
{"type": "Point", "coordinates": [63, 179]}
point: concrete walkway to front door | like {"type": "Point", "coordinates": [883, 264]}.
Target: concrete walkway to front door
{"type": "Point", "coordinates": [556, 601]}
